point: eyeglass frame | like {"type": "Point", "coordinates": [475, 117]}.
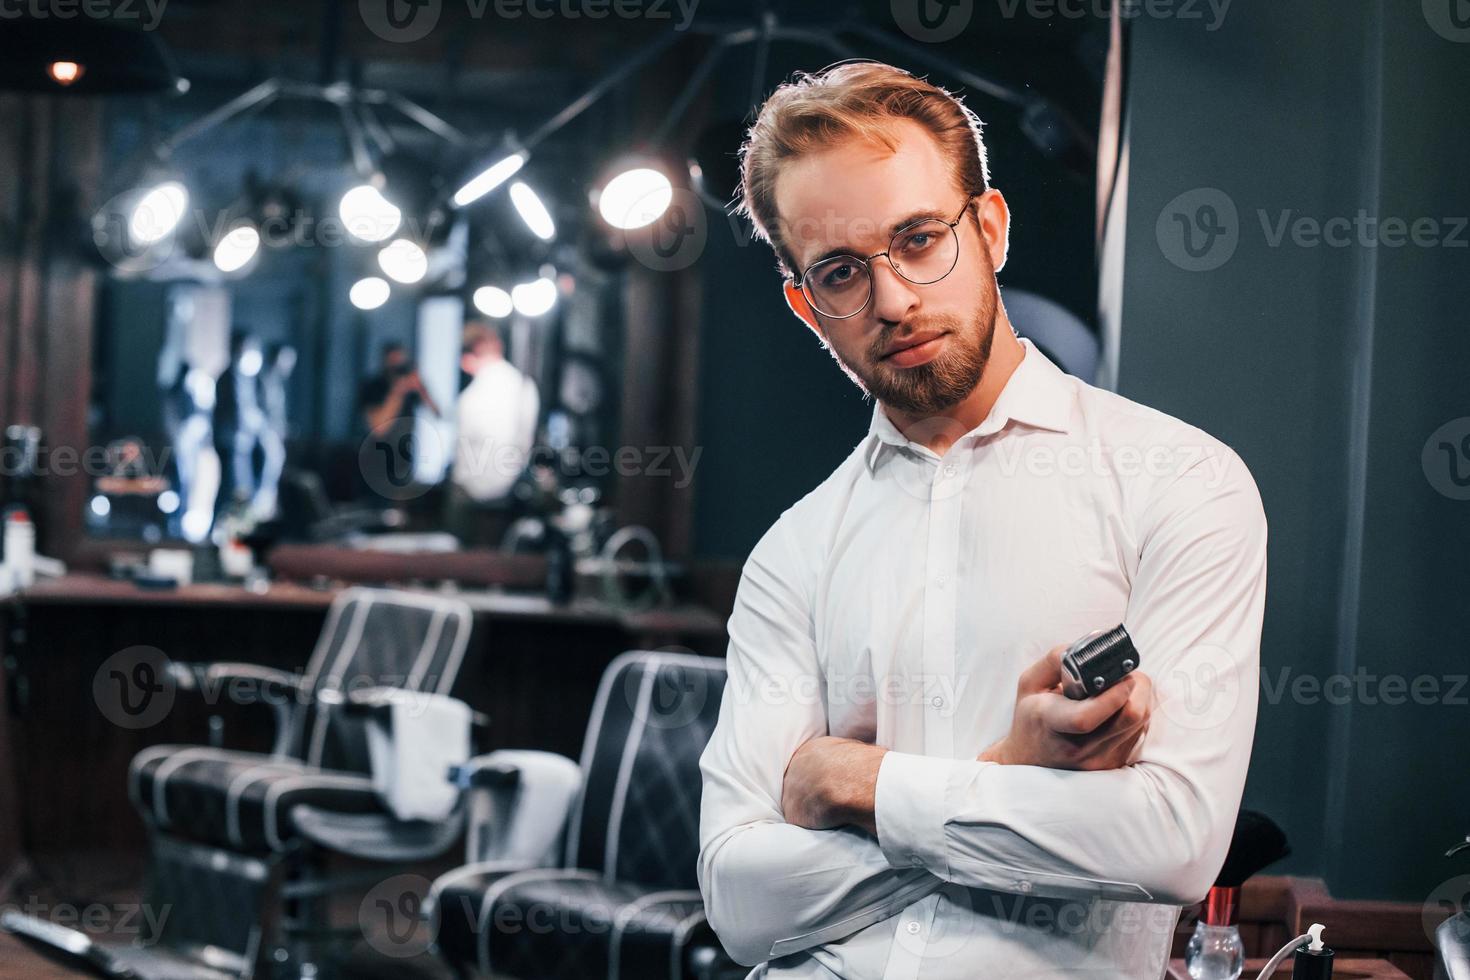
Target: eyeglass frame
{"type": "Point", "coordinates": [800, 281]}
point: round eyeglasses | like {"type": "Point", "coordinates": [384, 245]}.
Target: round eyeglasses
{"type": "Point", "coordinates": [924, 252]}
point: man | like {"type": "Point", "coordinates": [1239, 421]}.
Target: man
{"type": "Point", "coordinates": [896, 787]}
{"type": "Point", "coordinates": [496, 418]}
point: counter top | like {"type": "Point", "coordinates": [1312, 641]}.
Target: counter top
{"type": "Point", "coordinates": [84, 589]}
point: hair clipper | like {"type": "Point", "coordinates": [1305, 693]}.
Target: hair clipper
{"type": "Point", "coordinates": [1096, 662]}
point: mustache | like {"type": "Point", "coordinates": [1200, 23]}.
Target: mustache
{"type": "Point", "coordinates": [935, 322]}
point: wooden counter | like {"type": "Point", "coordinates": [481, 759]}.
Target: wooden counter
{"type": "Point", "coordinates": [1341, 970]}
{"type": "Point", "coordinates": [83, 589]}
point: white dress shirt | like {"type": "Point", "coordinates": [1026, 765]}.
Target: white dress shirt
{"type": "Point", "coordinates": [898, 603]}
{"type": "Point", "coordinates": [496, 421]}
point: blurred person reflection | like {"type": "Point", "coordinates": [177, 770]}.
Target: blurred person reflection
{"type": "Point", "coordinates": [240, 431]}
{"type": "Point", "coordinates": [188, 405]}
{"type": "Point", "coordinates": [495, 419]}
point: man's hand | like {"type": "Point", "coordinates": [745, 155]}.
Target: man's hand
{"type": "Point", "coordinates": [830, 783]}
{"type": "Point", "coordinates": [1049, 729]}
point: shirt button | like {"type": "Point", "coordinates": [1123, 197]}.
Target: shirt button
{"type": "Point", "coordinates": [913, 928]}
{"type": "Point", "coordinates": [949, 470]}
{"type": "Point", "coordinates": [940, 581]}
{"type": "Point", "coordinates": [914, 860]}
{"type": "Point", "coordinates": [938, 702]}
{"type": "Point", "coordinates": [1023, 885]}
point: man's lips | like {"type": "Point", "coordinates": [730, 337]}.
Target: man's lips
{"type": "Point", "coordinates": [913, 349]}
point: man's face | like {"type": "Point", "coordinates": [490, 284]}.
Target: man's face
{"type": "Point", "coordinates": [852, 197]}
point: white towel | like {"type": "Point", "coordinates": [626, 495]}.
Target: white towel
{"type": "Point", "coordinates": [411, 754]}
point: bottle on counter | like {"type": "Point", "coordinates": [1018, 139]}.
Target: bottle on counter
{"type": "Point", "coordinates": [20, 548]}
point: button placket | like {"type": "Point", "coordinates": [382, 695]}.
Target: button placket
{"type": "Point", "coordinates": [945, 505]}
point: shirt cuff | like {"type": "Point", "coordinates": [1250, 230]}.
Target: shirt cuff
{"type": "Point", "coordinates": [909, 811]}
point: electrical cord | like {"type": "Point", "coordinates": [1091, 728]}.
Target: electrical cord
{"type": "Point", "coordinates": [1282, 953]}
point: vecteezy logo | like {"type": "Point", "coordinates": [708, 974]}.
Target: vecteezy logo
{"type": "Point", "coordinates": [1450, 19]}
{"type": "Point", "coordinates": [1451, 899]}
{"type": "Point", "coordinates": [676, 240]}
{"type": "Point", "coordinates": [1202, 690]}
{"type": "Point", "coordinates": [1446, 459]}
{"type": "Point", "coordinates": [1199, 229]}
{"type": "Point", "coordinates": [114, 227]}
{"type": "Point", "coordinates": [133, 688]}
{"type": "Point", "coordinates": [390, 916]}
{"type": "Point", "coordinates": [933, 21]}
{"type": "Point", "coordinates": [401, 21]}
{"type": "Point", "coordinates": [388, 456]}
{"type": "Point", "coordinates": [675, 696]}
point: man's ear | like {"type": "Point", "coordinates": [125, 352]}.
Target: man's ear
{"type": "Point", "coordinates": [796, 299]}
{"type": "Point", "coordinates": [995, 225]}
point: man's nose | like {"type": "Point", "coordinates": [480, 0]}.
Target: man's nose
{"type": "Point", "coordinates": [894, 297]}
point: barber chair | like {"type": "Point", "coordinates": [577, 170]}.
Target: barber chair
{"type": "Point", "coordinates": [238, 840]}
{"type": "Point", "coordinates": [583, 872]}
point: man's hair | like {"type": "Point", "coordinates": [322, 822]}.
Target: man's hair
{"type": "Point", "coordinates": [850, 100]}
{"type": "Point", "coordinates": [477, 332]}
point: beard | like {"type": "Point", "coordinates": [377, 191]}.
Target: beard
{"type": "Point", "coordinates": [929, 388]}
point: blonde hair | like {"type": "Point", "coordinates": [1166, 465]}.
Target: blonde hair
{"type": "Point", "coordinates": [850, 100]}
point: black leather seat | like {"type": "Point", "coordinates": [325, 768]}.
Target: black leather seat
{"type": "Point", "coordinates": [229, 829]}
{"type": "Point", "coordinates": [624, 900]}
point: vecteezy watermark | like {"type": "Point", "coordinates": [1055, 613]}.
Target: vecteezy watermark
{"type": "Point", "coordinates": [389, 456]}
{"type": "Point", "coordinates": [142, 921]}
{"type": "Point", "coordinates": [1202, 690]}
{"type": "Point", "coordinates": [1450, 19]}
{"type": "Point", "coordinates": [932, 21]}
{"type": "Point", "coordinates": [138, 686]}
{"type": "Point", "coordinates": [676, 239]}
{"type": "Point", "coordinates": [115, 228]}
{"type": "Point", "coordinates": [840, 690]}
{"type": "Point", "coordinates": [134, 687]}
{"type": "Point", "coordinates": [1448, 903]}
{"type": "Point", "coordinates": [669, 695]}
{"type": "Point", "coordinates": [406, 21]}
{"type": "Point", "coordinates": [1365, 687]}
{"type": "Point", "coordinates": [1446, 459]}
{"type": "Point", "coordinates": [93, 461]}
{"type": "Point", "coordinates": [1211, 13]}
{"type": "Point", "coordinates": [1200, 230]}
{"type": "Point", "coordinates": [149, 13]}
{"type": "Point", "coordinates": [391, 916]}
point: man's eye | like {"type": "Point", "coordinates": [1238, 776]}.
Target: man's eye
{"type": "Point", "coordinates": [839, 275]}
{"type": "Point", "coordinates": [920, 241]}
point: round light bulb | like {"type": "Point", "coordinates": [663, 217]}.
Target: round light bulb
{"type": "Point", "coordinates": [403, 261]}
{"type": "Point", "coordinates": [635, 198]}
{"type": "Point", "coordinates": [369, 293]}
{"type": "Point", "coordinates": [236, 249]}
{"type": "Point", "coordinates": [493, 301]}
{"type": "Point", "coordinates": [158, 213]}
{"type": "Point", "coordinates": [368, 215]}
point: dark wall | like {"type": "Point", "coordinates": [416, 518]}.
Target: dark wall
{"type": "Point", "coordinates": [1327, 367]}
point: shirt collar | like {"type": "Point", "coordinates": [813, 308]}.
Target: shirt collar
{"type": "Point", "coordinates": [1037, 393]}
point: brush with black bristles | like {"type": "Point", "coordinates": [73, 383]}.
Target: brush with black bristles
{"type": "Point", "coordinates": [1257, 843]}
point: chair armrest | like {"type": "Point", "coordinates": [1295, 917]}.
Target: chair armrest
{"type": "Point", "coordinates": [375, 702]}
{"type": "Point", "coordinates": [519, 802]}
{"type": "Point", "coordinates": [243, 683]}
{"type": "Point", "coordinates": [485, 773]}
